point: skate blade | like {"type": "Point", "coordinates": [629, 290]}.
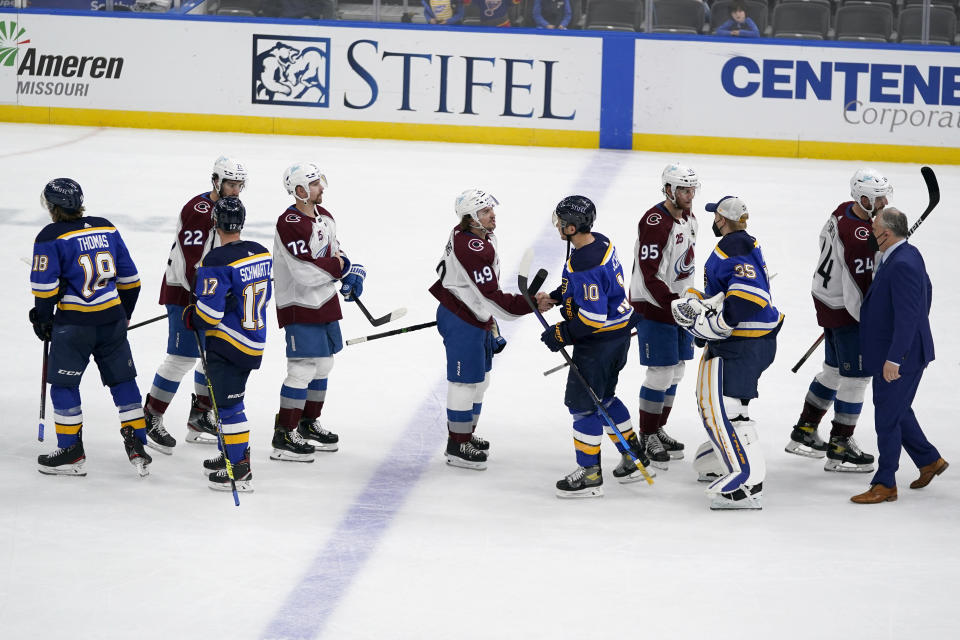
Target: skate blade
{"type": "Point", "coordinates": [287, 456]}
{"type": "Point", "coordinates": [708, 477]}
{"type": "Point", "coordinates": [747, 504]}
{"type": "Point", "coordinates": [199, 437]}
{"type": "Point", "coordinates": [663, 466]}
{"type": "Point", "coordinates": [63, 470]}
{"type": "Point", "coordinates": [140, 465]}
{"type": "Point", "coordinates": [319, 446]}
{"type": "Point", "coordinates": [454, 461]}
{"type": "Point", "coordinates": [159, 447]}
{"type": "Point", "coordinates": [844, 467]}
{"type": "Point", "coordinates": [676, 455]}
{"type": "Point", "coordinates": [636, 476]}
{"type": "Point", "coordinates": [586, 492]}
{"type": "Point", "coordinates": [243, 486]}
{"type": "Point", "coordinates": [803, 450]}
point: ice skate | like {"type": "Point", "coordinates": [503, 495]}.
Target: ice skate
{"type": "Point", "coordinates": [290, 446]}
{"type": "Point", "coordinates": [673, 447]}
{"type": "Point", "coordinates": [321, 439]}
{"type": "Point", "coordinates": [806, 442]}
{"type": "Point", "coordinates": [66, 461]}
{"type": "Point", "coordinates": [157, 435]}
{"type": "Point", "coordinates": [465, 455]}
{"type": "Point", "coordinates": [627, 471]}
{"type": "Point", "coordinates": [743, 498]}
{"type": "Point", "coordinates": [139, 458]}
{"type": "Point", "coordinates": [214, 464]}
{"type": "Point", "coordinates": [844, 455]}
{"type": "Point", "coordinates": [655, 450]}
{"type": "Point", "coordinates": [480, 444]}
{"type": "Point", "coordinates": [220, 481]}
{"type": "Point", "coordinates": [201, 424]}
{"type": "Point", "coordinates": [582, 483]}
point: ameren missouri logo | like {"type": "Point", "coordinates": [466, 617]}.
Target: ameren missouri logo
{"type": "Point", "coordinates": [35, 67]}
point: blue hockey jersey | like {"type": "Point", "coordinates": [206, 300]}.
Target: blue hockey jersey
{"type": "Point", "coordinates": [233, 287]}
{"type": "Point", "coordinates": [82, 269]}
{"type": "Point", "coordinates": [592, 293]}
{"type": "Point", "coordinates": [737, 268]}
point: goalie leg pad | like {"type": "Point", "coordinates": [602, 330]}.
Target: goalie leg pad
{"type": "Point", "coordinates": [707, 464]}
{"type": "Point", "coordinates": [723, 435]}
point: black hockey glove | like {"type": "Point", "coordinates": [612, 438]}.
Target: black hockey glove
{"type": "Point", "coordinates": [43, 328]}
{"type": "Point", "coordinates": [556, 337]}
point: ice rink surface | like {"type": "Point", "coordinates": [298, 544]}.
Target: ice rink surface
{"type": "Point", "coordinates": [382, 539]}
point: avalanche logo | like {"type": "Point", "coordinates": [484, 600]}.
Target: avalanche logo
{"type": "Point", "coordinates": [202, 207]}
{"type": "Point", "coordinates": [684, 265]}
{"type": "Point", "coordinates": [862, 233]}
{"type": "Point", "coordinates": [654, 219]}
{"type": "Point", "coordinates": [291, 70]}
{"type": "Point", "coordinates": [475, 244]}
{"type": "Point", "coordinates": [10, 34]}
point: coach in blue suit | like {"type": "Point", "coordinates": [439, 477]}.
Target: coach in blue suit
{"type": "Point", "coordinates": [896, 343]}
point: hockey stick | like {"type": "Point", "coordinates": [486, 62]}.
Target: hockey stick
{"type": "Point", "coordinates": [140, 324]}
{"type": "Point", "coordinates": [43, 389]}
{"type": "Point", "coordinates": [393, 315]}
{"type": "Point", "coordinates": [394, 332]}
{"type": "Point", "coordinates": [216, 415]}
{"type": "Point", "coordinates": [933, 194]}
{"type": "Point", "coordinates": [524, 289]}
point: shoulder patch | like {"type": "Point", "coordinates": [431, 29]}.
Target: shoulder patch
{"type": "Point", "coordinates": [292, 217]}
{"type": "Point", "coordinates": [202, 207]}
{"type": "Point", "coordinates": [654, 219]}
{"type": "Point", "coordinates": [475, 244]}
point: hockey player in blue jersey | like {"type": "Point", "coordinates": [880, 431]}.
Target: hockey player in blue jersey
{"type": "Point", "coordinates": [233, 289]}
{"type": "Point", "coordinates": [739, 324]}
{"type": "Point", "coordinates": [85, 287]}
{"type": "Point", "coordinates": [597, 322]}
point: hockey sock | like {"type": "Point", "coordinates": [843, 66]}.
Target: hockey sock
{"type": "Point", "coordinates": [668, 404]}
{"type": "Point", "coordinates": [478, 400]}
{"type": "Point", "coordinates": [847, 406]}
{"type": "Point", "coordinates": [67, 415]}
{"type": "Point", "coordinates": [126, 396]}
{"type": "Point", "coordinates": [620, 415]}
{"type": "Point", "coordinates": [316, 394]}
{"type": "Point", "coordinates": [587, 435]}
{"type": "Point", "coordinates": [236, 432]}
{"type": "Point", "coordinates": [292, 401]}
{"type": "Point", "coordinates": [167, 380]}
{"type": "Point", "coordinates": [200, 387]}
{"type": "Point", "coordinates": [653, 394]}
{"type": "Point", "coordinates": [820, 395]}
{"type": "Point", "coordinates": [460, 410]}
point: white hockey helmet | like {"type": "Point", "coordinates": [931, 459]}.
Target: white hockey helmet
{"type": "Point", "coordinates": [870, 183]}
{"type": "Point", "coordinates": [676, 175]}
{"type": "Point", "coordinates": [301, 175]}
{"type": "Point", "coordinates": [473, 200]}
{"type": "Point", "coordinates": [225, 168]}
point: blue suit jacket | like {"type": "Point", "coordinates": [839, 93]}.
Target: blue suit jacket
{"type": "Point", "coordinates": [894, 317]}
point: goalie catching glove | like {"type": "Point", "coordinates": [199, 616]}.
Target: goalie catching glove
{"type": "Point", "coordinates": [701, 318]}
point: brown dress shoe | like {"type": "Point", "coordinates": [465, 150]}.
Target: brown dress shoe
{"type": "Point", "coordinates": [927, 472]}
{"type": "Point", "coordinates": [876, 494]}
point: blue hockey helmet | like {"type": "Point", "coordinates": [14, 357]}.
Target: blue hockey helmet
{"type": "Point", "coordinates": [576, 210]}
{"type": "Point", "coordinates": [64, 193]}
{"type": "Point", "coordinates": [229, 214]}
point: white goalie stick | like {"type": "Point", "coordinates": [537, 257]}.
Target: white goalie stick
{"type": "Point", "coordinates": [528, 296]}
{"type": "Point", "coordinates": [933, 192]}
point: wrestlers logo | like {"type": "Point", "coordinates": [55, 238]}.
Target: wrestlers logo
{"type": "Point", "coordinates": [291, 70]}
{"type": "Point", "coordinates": [10, 34]}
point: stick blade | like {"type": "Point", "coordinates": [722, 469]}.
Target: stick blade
{"type": "Point", "coordinates": [390, 317]}
{"type": "Point", "coordinates": [933, 188]}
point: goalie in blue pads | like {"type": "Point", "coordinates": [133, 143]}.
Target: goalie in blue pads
{"type": "Point", "coordinates": [738, 323]}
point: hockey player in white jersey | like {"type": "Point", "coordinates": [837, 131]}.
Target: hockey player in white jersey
{"type": "Point", "coordinates": [468, 290]}
{"type": "Point", "coordinates": [663, 269]}
{"type": "Point", "coordinates": [840, 281]}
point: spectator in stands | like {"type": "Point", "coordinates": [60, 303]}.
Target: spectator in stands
{"type": "Point", "coordinates": [552, 14]}
{"type": "Point", "coordinates": [739, 25]}
{"type": "Point", "coordinates": [315, 9]}
{"type": "Point", "coordinates": [443, 11]}
{"type": "Point", "coordinates": [494, 13]}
